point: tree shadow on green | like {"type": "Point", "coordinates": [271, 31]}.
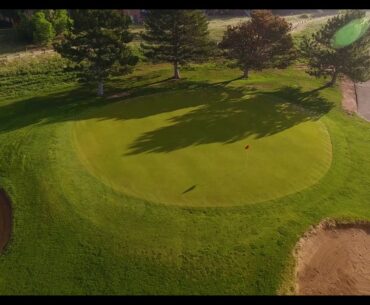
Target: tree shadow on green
{"type": "Point", "coordinates": [71, 105]}
{"type": "Point", "coordinates": [223, 113]}
{"type": "Point", "coordinates": [229, 115]}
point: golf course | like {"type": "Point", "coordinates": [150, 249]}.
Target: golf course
{"type": "Point", "coordinates": [201, 185]}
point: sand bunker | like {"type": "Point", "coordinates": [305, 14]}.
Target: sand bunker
{"type": "Point", "coordinates": [334, 259]}
{"type": "Point", "coordinates": [5, 219]}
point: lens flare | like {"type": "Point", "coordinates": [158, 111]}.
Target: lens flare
{"type": "Point", "coordinates": [349, 33]}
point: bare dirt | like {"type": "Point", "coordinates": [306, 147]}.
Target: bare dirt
{"type": "Point", "coordinates": [5, 220]}
{"type": "Point", "coordinates": [363, 99]}
{"type": "Point", "coordinates": [334, 259]}
{"type": "Point", "coordinates": [349, 100]}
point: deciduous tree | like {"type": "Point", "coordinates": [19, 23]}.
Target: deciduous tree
{"type": "Point", "coordinates": [262, 42]}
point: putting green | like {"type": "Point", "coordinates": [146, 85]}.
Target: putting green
{"type": "Point", "coordinates": [349, 33]}
{"type": "Point", "coordinates": [187, 148]}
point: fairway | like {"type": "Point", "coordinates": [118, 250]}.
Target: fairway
{"type": "Point", "coordinates": [188, 147]}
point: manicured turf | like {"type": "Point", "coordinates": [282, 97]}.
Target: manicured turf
{"type": "Point", "coordinates": [74, 234]}
{"type": "Point", "coordinates": [185, 147]}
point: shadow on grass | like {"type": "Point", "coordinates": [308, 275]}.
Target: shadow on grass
{"type": "Point", "coordinates": [221, 113]}
{"type": "Point", "coordinates": [69, 105]}
{"type": "Point", "coordinates": [229, 115]}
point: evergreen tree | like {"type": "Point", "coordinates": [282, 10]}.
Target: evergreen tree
{"type": "Point", "coordinates": [97, 44]}
{"type": "Point", "coordinates": [262, 42]}
{"type": "Point", "coordinates": [324, 59]}
{"type": "Point", "coordinates": [176, 36]}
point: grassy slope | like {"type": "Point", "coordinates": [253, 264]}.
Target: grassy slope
{"type": "Point", "coordinates": [73, 234]}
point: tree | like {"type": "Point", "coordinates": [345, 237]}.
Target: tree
{"type": "Point", "coordinates": [43, 31]}
{"type": "Point", "coordinates": [176, 36]}
{"type": "Point", "coordinates": [61, 21]}
{"type": "Point", "coordinates": [97, 44]}
{"type": "Point", "coordinates": [262, 42]}
{"type": "Point", "coordinates": [325, 60]}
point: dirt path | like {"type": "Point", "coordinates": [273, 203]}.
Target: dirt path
{"type": "Point", "coordinates": [5, 219]}
{"type": "Point", "coordinates": [349, 100]}
{"type": "Point", "coordinates": [363, 99]}
{"type": "Point", "coordinates": [334, 260]}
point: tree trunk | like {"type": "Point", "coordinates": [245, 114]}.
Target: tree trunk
{"type": "Point", "coordinates": [333, 79]}
{"type": "Point", "coordinates": [246, 73]}
{"type": "Point", "coordinates": [176, 74]}
{"type": "Point", "coordinates": [100, 88]}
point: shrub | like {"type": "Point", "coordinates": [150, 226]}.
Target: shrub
{"type": "Point", "coordinates": [43, 31]}
{"type": "Point", "coordinates": [61, 21]}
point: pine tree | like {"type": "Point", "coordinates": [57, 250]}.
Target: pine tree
{"type": "Point", "coordinates": [262, 42]}
{"type": "Point", "coordinates": [324, 59]}
{"type": "Point", "coordinates": [97, 44]}
{"type": "Point", "coordinates": [176, 36]}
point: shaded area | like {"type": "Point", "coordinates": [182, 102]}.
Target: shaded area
{"type": "Point", "coordinates": [5, 220]}
{"type": "Point", "coordinates": [224, 114]}
{"type": "Point", "coordinates": [69, 105]}
{"type": "Point", "coordinates": [189, 189]}
{"type": "Point", "coordinates": [227, 115]}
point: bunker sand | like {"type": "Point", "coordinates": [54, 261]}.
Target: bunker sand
{"type": "Point", "coordinates": [334, 259]}
{"type": "Point", "coordinates": [5, 220]}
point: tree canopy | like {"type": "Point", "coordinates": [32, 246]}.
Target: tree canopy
{"type": "Point", "coordinates": [262, 42]}
{"type": "Point", "coordinates": [324, 59]}
{"type": "Point", "coordinates": [176, 36]}
{"type": "Point", "coordinates": [97, 44]}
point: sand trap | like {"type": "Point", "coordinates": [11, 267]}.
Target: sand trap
{"type": "Point", "coordinates": [5, 219]}
{"type": "Point", "coordinates": [334, 259]}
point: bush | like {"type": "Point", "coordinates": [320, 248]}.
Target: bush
{"type": "Point", "coordinates": [43, 31]}
{"type": "Point", "coordinates": [61, 21]}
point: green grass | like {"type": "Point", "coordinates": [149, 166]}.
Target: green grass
{"type": "Point", "coordinates": [74, 234]}
{"type": "Point", "coordinates": [193, 140]}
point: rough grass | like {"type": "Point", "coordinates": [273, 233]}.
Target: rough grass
{"type": "Point", "coordinates": [76, 235]}
{"type": "Point", "coordinates": [29, 74]}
